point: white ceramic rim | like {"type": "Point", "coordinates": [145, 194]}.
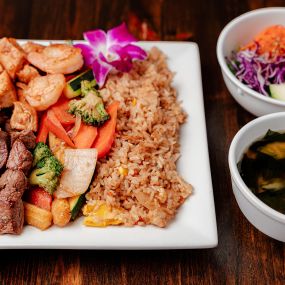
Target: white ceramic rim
{"type": "Point", "coordinates": [235, 173]}
{"type": "Point", "coordinates": [221, 57]}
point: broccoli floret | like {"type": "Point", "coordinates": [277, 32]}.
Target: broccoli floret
{"type": "Point", "coordinates": [87, 86]}
{"type": "Point", "coordinates": [46, 174]}
{"type": "Point", "coordinates": [91, 107]}
{"type": "Point", "coordinates": [41, 151]}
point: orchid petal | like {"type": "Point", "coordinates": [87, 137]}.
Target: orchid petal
{"type": "Point", "coordinates": [100, 71]}
{"type": "Point", "coordinates": [135, 52]}
{"type": "Point", "coordinates": [123, 64]}
{"type": "Point", "coordinates": [132, 51]}
{"type": "Point", "coordinates": [97, 40]}
{"type": "Point", "coordinates": [119, 36]}
{"type": "Point", "coordinates": [87, 53]}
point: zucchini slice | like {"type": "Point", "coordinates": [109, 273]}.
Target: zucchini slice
{"type": "Point", "coordinates": [76, 203]}
{"type": "Point", "coordinates": [73, 86]}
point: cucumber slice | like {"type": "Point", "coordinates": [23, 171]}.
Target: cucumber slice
{"type": "Point", "coordinates": [73, 86]}
{"type": "Point", "coordinates": [277, 91]}
{"type": "Point", "coordinates": [76, 203]}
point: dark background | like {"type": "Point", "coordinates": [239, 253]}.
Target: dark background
{"type": "Point", "coordinates": [244, 255]}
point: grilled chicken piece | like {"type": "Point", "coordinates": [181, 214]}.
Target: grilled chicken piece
{"type": "Point", "coordinates": [26, 74]}
{"type": "Point", "coordinates": [12, 56]}
{"type": "Point", "coordinates": [24, 117]}
{"type": "Point", "coordinates": [7, 91]}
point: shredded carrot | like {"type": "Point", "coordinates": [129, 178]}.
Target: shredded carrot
{"type": "Point", "coordinates": [271, 41]}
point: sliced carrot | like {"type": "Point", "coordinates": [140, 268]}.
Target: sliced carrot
{"type": "Point", "coordinates": [271, 41]}
{"type": "Point", "coordinates": [43, 130]}
{"type": "Point", "coordinates": [61, 111]}
{"type": "Point", "coordinates": [85, 136]}
{"type": "Point", "coordinates": [106, 134]}
{"type": "Point", "coordinates": [54, 125]}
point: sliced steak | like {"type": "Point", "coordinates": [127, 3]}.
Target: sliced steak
{"type": "Point", "coordinates": [12, 186]}
{"type": "Point", "coordinates": [13, 179]}
{"type": "Point", "coordinates": [20, 158]}
{"type": "Point", "coordinates": [3, 148]}
{"type": "Point", "coordinates": [27, 137]}
{"type": "Point", "coordinates": [11, 216]}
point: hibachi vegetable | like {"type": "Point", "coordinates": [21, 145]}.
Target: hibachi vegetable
{"type": "Point", "coordinates": [37, 217]}
{"type": "Point", "coordinates": [79, 166]}
{"type": "Point", "coordinates": [76, 203]}
{"type": "Point", "coordinates": [40, 152]}
{"type": "Point", "coordinates": [54, 125]}
{"type": "Point", "coordinates": [60, 212]}
{"type": "Point", "coordinates": [106, 134]}
{"type": "Point", "coordinates": [57, 146]}
{"type": "Point", "coordinates": [39, 197]}
{"type": "Point", "coordinates": [73, 86]}
{"type": "Point", "coordinates": [85, 136]}
{"type": "Point", "coordinates": [46, 174]}
{"type": "Point", "coordinates": [43, 130]}
{"type": "Point", "coordinates": [50, 123]}
{"type": "Point", "coordinates": [47, 169]}
{"type": "Point", "coordinates": [61, 111]}
{"type": "Point", "coordinates": [90, 107]}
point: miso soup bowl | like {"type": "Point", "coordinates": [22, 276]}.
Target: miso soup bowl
{"type": "Point", "coordinates": [239, 32]}
{"type": "Point", "coordinates": [261, 216]}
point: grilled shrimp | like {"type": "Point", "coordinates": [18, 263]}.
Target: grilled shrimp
{"type": "Point", "coordinates": [31, 47]}
{"type": "Point", "coordinates": [57, 58]}
{"type": "Point", "coordinates": [43, 91]}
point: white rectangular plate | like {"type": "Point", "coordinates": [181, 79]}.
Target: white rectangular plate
{"type": "Point", "coordinates": [195, 223]}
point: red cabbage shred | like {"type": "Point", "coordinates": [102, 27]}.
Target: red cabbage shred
{"type": "Point", "coordinates": [257, 71]}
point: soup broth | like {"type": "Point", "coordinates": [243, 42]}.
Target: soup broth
{"type": "Point", "coordinates": [262, 168]}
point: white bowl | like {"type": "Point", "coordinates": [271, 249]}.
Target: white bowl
{"type": "Point", "coordinates": [239, 32]}
{"type": "Point", "coordinates": [264, 218]}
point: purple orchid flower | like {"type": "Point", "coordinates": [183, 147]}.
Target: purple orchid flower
{"type": "Point", "coordinates": [110, 50]}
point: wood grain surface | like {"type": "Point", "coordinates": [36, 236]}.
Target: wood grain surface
{"type": "Point", "coordinates": [244, 255]}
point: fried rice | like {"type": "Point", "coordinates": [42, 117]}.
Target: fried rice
{"type": "Point", "coordinates": [138, 182]}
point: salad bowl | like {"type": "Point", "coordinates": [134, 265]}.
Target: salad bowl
{"type": "Point", "coordinates": [237, 33]}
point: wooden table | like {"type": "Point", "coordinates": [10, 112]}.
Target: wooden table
{"type": "Point", "coordinates": [244, 255]}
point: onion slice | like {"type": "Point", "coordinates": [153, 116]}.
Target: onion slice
{"type": "Point", "coordinates": [76, 126]}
